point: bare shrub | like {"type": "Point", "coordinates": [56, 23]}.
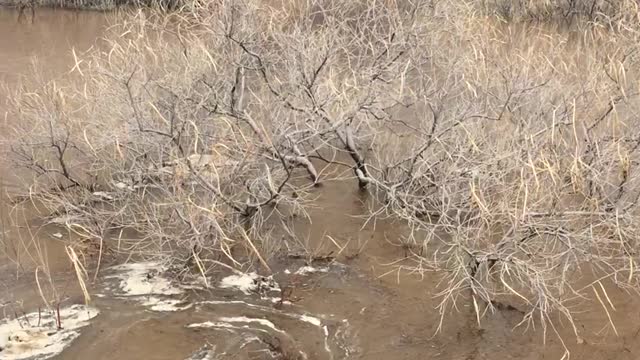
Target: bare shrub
{"type": "Point", "coordinates": [601, 11]}
{"type": "Point", "coordinates": [519, 181]}
{"type": "Point", "coordinates": [194, 130]}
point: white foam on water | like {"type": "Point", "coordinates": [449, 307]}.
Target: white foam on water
{"type": "Point", "coordinates": [144, 278]}
{"type": "Point", "coordinates": [236, 322]}
{"type": "Point", "coordinates": [249, 283]}
{"type": "Point", "coordinates": [311, 320]}
{"type": "Point", "coordinates": [145, 283]}
{"type": "Point", "coordinates": [164, 305]}
{"type": "Point", "coordinates": [325, 330]}
{"type": "Point", "coordinates": [306, 270]}
{"type": "Point", "coordinates": [212, 324]}
{"type": "Point", "coordinates": [228, 322]}
{"type": "Point", "coordinates": [225, 326]}
{"type": "Point", "coordinates": [244, 319]}
{"type": "Point", "coordinates": [248, 340]}
{"type": "Point", "coordinates": [277, 300]}
{"type": "Point", "coordinates": [303, 317]}
{"type": "Point", "coordinates": [37, 336]}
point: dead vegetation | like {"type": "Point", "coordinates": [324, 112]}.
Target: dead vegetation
{"type": "Point", "coordinates": [508, 148]}
{"type": "Point", "coordinates": [101, 5]}
{"type": "Point", "coordinates": [605, 12]}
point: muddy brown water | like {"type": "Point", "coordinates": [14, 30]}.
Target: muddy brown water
{"type": "Point", "coordinates": [370, 312]}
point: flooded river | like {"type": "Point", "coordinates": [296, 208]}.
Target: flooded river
{"type": "Point", "coordinates": [352, 307]}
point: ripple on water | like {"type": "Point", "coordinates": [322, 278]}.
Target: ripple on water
{"type": "Point", "coordinates": [238, 312]}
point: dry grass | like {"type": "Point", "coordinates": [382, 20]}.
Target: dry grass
{"type": "Point", "coordinates": [599, 11]}
{"type": "Point", "coordinates": [101, 5]}
{"type": "Point", "coordinates": [508, 148]}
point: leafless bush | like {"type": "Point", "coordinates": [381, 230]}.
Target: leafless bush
{"type": "Point", "coordinates": [520, 179]}
{"type": "Point", "coordinates": [195, 130]}
{"type": "Point", "coordinates": [601, 11]}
